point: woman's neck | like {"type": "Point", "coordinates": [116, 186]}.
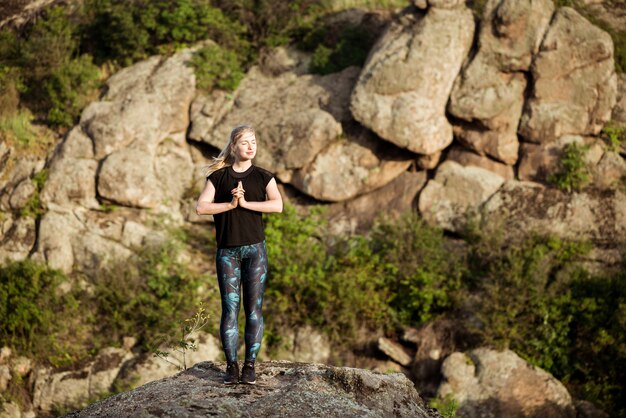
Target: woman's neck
{"type": "Point", "coordinates": [241, 166]}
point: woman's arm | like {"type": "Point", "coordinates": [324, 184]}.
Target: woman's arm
{"type": "Point", "coordinates": [273, 204]}
{"type": "Point", "coordinates": [206, 206]}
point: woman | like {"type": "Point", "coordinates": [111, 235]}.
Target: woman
{"type": "Point", "coordinates": [236, 194]}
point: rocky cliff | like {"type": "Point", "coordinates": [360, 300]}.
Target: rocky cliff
{"type": "Point", "coordinates": [283, 389]}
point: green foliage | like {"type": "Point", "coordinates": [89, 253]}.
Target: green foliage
{"type": "Point", "coordinates": [146, 296]}
{"type": "Point", "coordinates": [18, 128]}
{"type": "Point", "coordinates": [185, 342]}
{"type": "Point", "coordinates": [35, 316]}
{"type": "Point", "coordinates": [447, 406]}
{"type": "Point", "coordinates": [217, 67]}
{"type": "Point", "coordinates": [333, 51]}
{"type": "Point", "coordinates": [423, 275]}
{"type": "Point", "coordinates": [125, 32]}
{"type": "Point", "coordinates": [70, 88]}
{"type": "Point", "coordinates": [33, 207]}
{"type": "Point", "coordinates": [615, 136]}
{"type": "Point", "coordinates": [524, 289]}
{"type": "Point", "coordinates": [400, 273]}
{"type": "Point", "coordinates": [271, 23]}
{"type": "Point", "coordinates": [598, 341]}
{"type": "Point", "coordinates": [574, 172]}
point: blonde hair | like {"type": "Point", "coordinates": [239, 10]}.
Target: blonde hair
{"type": "Point", "coordinates": [226, 157]}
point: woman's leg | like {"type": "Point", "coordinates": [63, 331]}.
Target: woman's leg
{"type": "Point", "coordinates": [229, 279]}
{"type": "Point", "coordinates": [253, 276]}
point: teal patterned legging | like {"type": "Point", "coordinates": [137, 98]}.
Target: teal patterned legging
{"type": "Point", "coordinates": [247, 266]}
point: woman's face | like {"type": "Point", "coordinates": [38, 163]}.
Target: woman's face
{"type": "Point", "coordinates": [245, 148]}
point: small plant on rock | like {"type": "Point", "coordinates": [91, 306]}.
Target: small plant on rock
{"type": "Point", "coordinates": [186, 342]}
{"type": "Point", "coordinates": [574, 173]}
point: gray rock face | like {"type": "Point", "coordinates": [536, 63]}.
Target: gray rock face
{"type": "Point", "coordinates": [599, 216]}
{"type": "Point", "coordinates": [491, 384]}
{"type": "Point", "coordinates": [455, 192]}
{"type": "Point", "coordinates": [619, 111]}
{"type": "Point", "coordinates": [298, 120]}
{"type": "Point", "coordinates": [574, 81]}
{"type": "Point", "coordinates": [404, 87]}
{"type": "Point", "coordinates": [283, 389]}
{"type": "Point", "coordinates": [490, 90]}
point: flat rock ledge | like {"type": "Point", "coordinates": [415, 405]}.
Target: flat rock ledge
{"type": "Point", "coordinates": [283, 389]}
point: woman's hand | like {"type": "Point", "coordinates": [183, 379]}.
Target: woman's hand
{"type": "Point", "coordinates": [237, 193]}
{"type": "Point", "coordinates": [241, 192]}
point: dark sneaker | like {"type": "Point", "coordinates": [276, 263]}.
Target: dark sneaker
{"type": "Point", "coordinates": [232, 374]}
{"type": "Point", "coordinates": [247, 373]}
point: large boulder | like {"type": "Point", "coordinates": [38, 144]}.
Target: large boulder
{"type": "Point", "coordinates": [283, 389]}
{"type": "Point", "coordinates": [305, 132]}
{"type": "Point", "coordinates": [490, 90]}
{"type": "Point", "coordinates": [455, 193]}
{"type": "Point", "coordinates": [404, 87]}
{"type": "Point", "coordinates": [574, 77]}
{"type": "Point", "coordinates": [487, 383]}
{"type": "Point", "coordinates": [598, 216]}
{"type": "Point", "coordinates": [619, 111]}
{"type": "Point", "coordinates": [467, 157]}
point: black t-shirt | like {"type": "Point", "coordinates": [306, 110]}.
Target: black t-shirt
{"type": "Point", "coordinates": [239, 226]}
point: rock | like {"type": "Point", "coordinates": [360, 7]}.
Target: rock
{"type": "Point", "coordinates": [428, 162]}
{"type": "Point", "coordinates": [10, 410]}
{"type": "Point", "coordinates": [71, 387]}
{"type": "Point", "coordinates": [488, 383]}
{"type": "Point", "coordinates": [21, 365]}
{"type": "Point", "coordinates": [574, 81]}
{"type": "Point", "coordinates": [150, 368]}
{"type": "Point", "coordinates": [22, 192]}
{"type": "Point", "coordinates": [585, 409]}
{"type": "Point", "coordinates": [468, 158]}
{"type": "Point", "coordinates": [490, 90]}
{"type": "Point", "coordinates": [5, 377]}
{"type": "Point", "coordinates": [539, 161]}
{"type": "Point", "coordinates": [392, 200]}
{"type": "Point", "coordinates": [434, 341]}
{"type": "Point", "coordinates": [619, 111]}
{"type": "Point", "coordinates": [304, 142]}
{"type": "Point", "coordinates": [282, 59]}
{"type": "Point", "coordinates": [283, 389]}
{"type": "Point", "coordinates": [306, 345]}
{"type": "Point", "coordinates": [5, 354]}
{"type": "Point", "coordinates": [18, 237]}
{"type": "Point", "coordinates": [394, 351]}
{"type": "Point", "coordinates": [456, 192]}
{"type": "Point", "coordinates": [72, 173]}
{"type": "Point", "coordinates": [597, 216]}
{"type": "Point", "coordinates": [610, 172]}
{"type": "Point", "coordinates": [404, 86]}
{"type": "Point", "coordinates": [348, 168]}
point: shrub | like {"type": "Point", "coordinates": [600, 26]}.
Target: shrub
{"type": "Point", "coordinates": [70, 88]}
{"type": "Point", "coordinates": [423, 274]}
{"type": "Point", "coordinates": [217, 67]}
{"type": "Point", "coordinates": [332, 52]}
{"type": "Point", "coordinates": [36, 318]}
{"type": "Point", "coordinates": [615, 136]}
{"type": "Point", "coordinates": [33, 207]}
{"type": "Point", "coordinates": [525, 296]}
{"type": "Point", "coordinates": [125, 32]}
{"type": "Point", "coordinates": [146, 296]}
{"type": "Point", "coordinates": [573, 173]}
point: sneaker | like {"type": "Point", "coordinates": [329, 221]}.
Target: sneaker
{"type": "Point", "coordinates": [232, 374]}
{"type": "Point", "coordinates": [247, 373]}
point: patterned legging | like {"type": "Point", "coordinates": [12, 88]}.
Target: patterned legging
{"type": "Point", "coordinates": [245, 265]}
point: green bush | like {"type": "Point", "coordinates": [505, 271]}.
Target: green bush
{"type": "Point", "coordinates": [33, 207]}
{"type": "Point", "coordinates": [146, 297]}
{"type": "Point", "coordinates": [217, 67]}
{"type": "Point", "coordinates": [573, 173]}
{"type": "Point", "coordinates": [70, 88]}
{"type": "Point", "coordinates": [36, 318]}
{"type": "Point", "coordinates": [333, 51]}
{"type": "Point", "coordinates": [615, 136]}
{"type": "Point", "coordinates": [423, 275]}
{"type": "Point", "coordinates": [125, 32]}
